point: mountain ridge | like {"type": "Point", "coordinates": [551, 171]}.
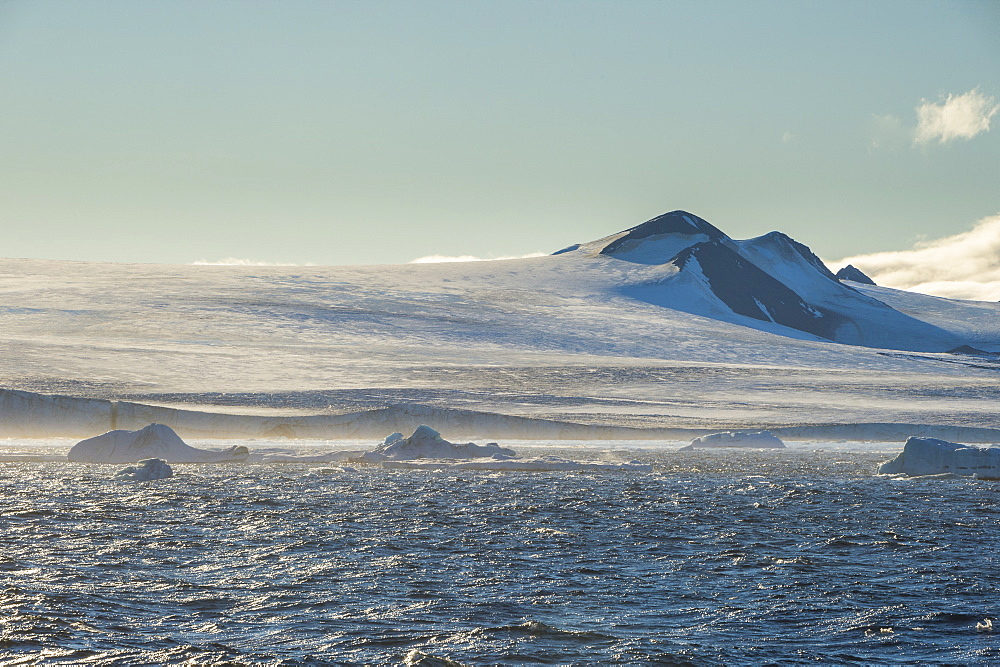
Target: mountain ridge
{"type": "Point", "coordinates": [770, 278]}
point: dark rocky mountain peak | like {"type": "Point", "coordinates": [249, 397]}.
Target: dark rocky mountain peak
{"type": "Point", "coordinates": [675, 222]}
{"type": "Point", "coordinates": [853, 273]}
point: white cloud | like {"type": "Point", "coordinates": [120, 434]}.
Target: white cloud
{"type": "Point", "coordinates": [236, 261]}
{"type": "Point", "coordinates": [434, 259]}
{"type": "Point", "coordinates": [957, 117]}
{"type": "Point", "coordinates": [963, 266]}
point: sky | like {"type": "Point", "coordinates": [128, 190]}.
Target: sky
{"type": "Point", "coordinates": [180, 131]}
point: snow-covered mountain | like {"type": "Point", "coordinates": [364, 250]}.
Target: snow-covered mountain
{"type": "Point", "coordinates": [772, 279]}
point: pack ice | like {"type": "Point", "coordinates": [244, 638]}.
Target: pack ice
{"type": "Point", "coordinates": [930, 456]}
{"type": "Point", "coordinates": [747, 439]}
{"type": "Point", "coordinates": [537, 464]}
{"type": "Point", "coordinates": [154, 441]}
{"type": "Point", "coordinates": [426, 443]}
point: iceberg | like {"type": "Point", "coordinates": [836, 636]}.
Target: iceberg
{"type": "Point", "coordinates": [154, 441]}
{"type": "Point", "coordinates": [930, 456]}
{"type": "Point", "coordinates": [145, 470]}
{"type": "Point", "coordinates": [425, 449]}
{"type": "Point", "coordinates": [746, 439]}
{"type": "Point", "coordinates": [426, 443]}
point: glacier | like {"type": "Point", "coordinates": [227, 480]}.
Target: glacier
{"type": "Point", "coordinates": [669, 330]}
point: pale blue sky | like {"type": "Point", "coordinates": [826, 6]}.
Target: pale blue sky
{"type": "Point", "coordinates": [377, 132]}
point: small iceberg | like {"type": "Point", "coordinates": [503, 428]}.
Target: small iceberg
{"type": "Point", "coordinates": [154, 441]}
{"type": "Point", "coordinates": [417, 658]}
{"type": "Point", "coordinates": [745, 439]}
{"type": "Point", "coordinates": [145, 470]}
{"type": "Point", "coordinates": [425, 449]}
{"type": "Point", "coordinates": [922, 457]}
{"type": "Point", "coordinates": [426, 443]}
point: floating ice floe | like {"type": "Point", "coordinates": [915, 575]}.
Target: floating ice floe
{"type": "Point", "coordinates": [745, 439]}
{"type": "Point", "coordinates": [154, 441]}
{"type": "Point", "coordinates": [329, 457]}
{"type": "Point", "coordinates": [426, 443]}
{"type": "Point", "coordinates": [930, 456]}
{"type": "Point", "coordinates": [539, 464]}
{"type": "Point", "coordinates": [417, 658]}
{"type": "Point", "coordinates": [145, 470]}
{"type": "Point", "coordinates": [327, 471]}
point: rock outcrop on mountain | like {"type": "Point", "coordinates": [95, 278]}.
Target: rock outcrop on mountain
{"type": "Point", "coordinates": [854, 274]}
{"type": "Point", "coordinates": [682, 226]}
{"type": "Point", "coordinates": [749, 290]}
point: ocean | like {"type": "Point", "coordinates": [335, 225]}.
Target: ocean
{"type": "Point", "coordinates": [714, 558]}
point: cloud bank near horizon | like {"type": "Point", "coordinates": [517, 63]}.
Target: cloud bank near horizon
{"type": "Point", "coordinates": [436, 259]}
{"type": "Point", "coordinates": [962, 266]}
{"type": "Point", "coordinates": [238, 261]}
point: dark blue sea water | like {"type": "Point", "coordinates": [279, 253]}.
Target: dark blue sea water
{"type": "Point", "coordinates": [714, 558]}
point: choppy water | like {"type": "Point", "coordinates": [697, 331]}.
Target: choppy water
{"type": "Point", "coordinates": [714, 558]}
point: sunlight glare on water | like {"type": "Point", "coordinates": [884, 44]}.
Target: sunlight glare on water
{"type": "Point", "coordinates": [713, 558]}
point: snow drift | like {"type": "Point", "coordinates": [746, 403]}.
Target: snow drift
{"type": "Point", "coordinates": [154, 441]}
{"type": "Point", "coordinates": [736, 439]}
{"type": "Point", "coordinates": [930, 456]}
{"type": "Point", "coordinates": [145, 471]}
{"type": "Point", "coordinates": [426, 443]}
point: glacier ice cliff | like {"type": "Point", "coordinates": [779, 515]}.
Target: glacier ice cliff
{"type": "Point", "coordinates": [930, 456]}
{"type": "Point", "coordinates": [733, 439]}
